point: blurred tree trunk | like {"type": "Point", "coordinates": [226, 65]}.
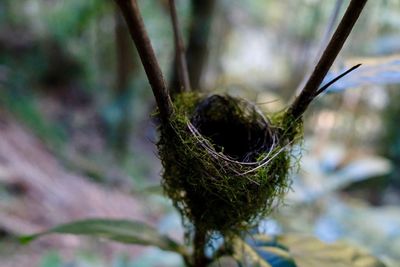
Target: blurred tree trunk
{"type": "Point", "coordinates": [202, 12]}
{"type": "Point", "coordinates": [125, 68]}
{"type": "Point", "coordinates": [125, 63]}
{"type": "Point", "coordinates": [6, 13]}
{"type": "Point", "coordinates": [302, 58]}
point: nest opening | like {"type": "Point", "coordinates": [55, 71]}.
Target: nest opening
{"type": "Point", "coordinates": [221, 120]}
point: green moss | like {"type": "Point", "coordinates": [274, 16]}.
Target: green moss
{"type": "Point", "coordinates": [290, 128]}
{"type": "Point", "coordinates": [214, 186]}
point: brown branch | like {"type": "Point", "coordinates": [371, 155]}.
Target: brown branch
{"type": "Point", "coordinates": [336, 43]}
{"type": "Point", "coordinates": [131, 13]}
{"type": "Point", "coordinates": [180, 57]}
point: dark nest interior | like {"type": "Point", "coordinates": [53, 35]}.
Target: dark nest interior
{"type": "Point", "coordinates": [225, 164]}
{"type": "Point", "coordinates": [242, 137]}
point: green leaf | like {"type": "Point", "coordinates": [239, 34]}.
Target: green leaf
{"type": "Point", "coordinates": [261, 253]}
{"type": "Point", "coordinates": [309, 252]}
{"type": "Point", "coordinates": [52, 259]}
{"type": "Point", "coordinates": [304, 251]}
{"type": "Point", "coordinates": [124, 231]}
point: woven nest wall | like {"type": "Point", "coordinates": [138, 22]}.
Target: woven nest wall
{"type": "Point", "coordinates": [225, 164]}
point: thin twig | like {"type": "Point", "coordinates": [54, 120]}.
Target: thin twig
{"type": "Point", "coordinates": [326, 86]}
{"type": "Point", "coordinates": [134, 20]}
{"type": "Point", "coordinates": [180, 57]}
{"type": "Point", "coordinates": [336, 43]}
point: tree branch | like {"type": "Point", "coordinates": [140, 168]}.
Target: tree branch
{"type": "Point", "coordinates": [336, 43]}
{"type": "Point", "coordinates": [180, 57]}
{"type": "Point", "coordinates": [131, 13]}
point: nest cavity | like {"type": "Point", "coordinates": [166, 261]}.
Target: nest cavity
{"type": "Point", "coordinates": [224, 164]}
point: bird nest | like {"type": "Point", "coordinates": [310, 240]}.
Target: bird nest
{"type": "Point", "coordinates": [225, 164]}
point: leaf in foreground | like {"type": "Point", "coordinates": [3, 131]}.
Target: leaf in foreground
{"type": "Point", "coordinates": [124, 231]}
{"type": "Point", "coordinates": [254, 253]}
{"type": "Point", "coordinates": [306, 251]}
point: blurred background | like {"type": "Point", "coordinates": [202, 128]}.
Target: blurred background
{"type": "Point", "coordinates": [77, 138]}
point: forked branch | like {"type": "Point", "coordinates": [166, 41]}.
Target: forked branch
{"type": "Point", "coordinates": [311, 89]}
{"type": "Point", "coordinates": [131, 13]}
{"type": "Point", "coordinates": [180, 57]}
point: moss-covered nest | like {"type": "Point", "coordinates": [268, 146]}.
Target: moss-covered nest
{"type": "Point", "coordinates": [225, 164]}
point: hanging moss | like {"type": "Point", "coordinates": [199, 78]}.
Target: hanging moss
{"type": "Point", "coordinates": [225, 164]}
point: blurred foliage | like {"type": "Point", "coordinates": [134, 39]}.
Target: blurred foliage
{"type": "Point", "coordinates": [124, 231]}
{"type": "Point", "coordinates": [390, 146]}
{"type": "Point", "coordinates": [52, 259]}
{"type": "Point", "coordinates": [300, 251]}
{"type": "Point", "coordinates": [320, 203]}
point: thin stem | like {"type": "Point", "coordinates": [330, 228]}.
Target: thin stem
{"type": "Point", "coordinates": [131, 13]}
{"type": "Point", "coordinates": [181, 63]}
{"type": "Point", "coordinates": [326, 86]}
{"type": "Point", "coordinates": [199, 243]}
{"type": "Point", "coordinates": [336, 43]}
